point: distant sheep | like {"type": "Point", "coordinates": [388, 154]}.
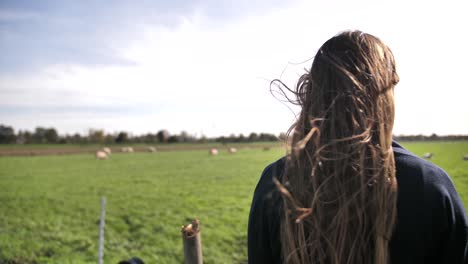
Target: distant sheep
{"type": "Point", "coordinates": [232, 150]}
{"type": "Point", "coordinates": [428, 155]}
{"type": "Point", "coordinates": [266, 148]}
{"type": "Point", "coordinates": [101, 155]}
{"type": "Point", "coordinates": [151, 149]}
{"type": "Point", "coordinates": [465, 157]}
{"type": "Point", "coordinates": [213, 152]}
{"type": "Point", "coordinates": [127, 149]}
{"type": "Point", "coordinates": [107, 150]}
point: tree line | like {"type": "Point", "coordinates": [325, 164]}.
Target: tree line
{"type": "Point", "coordinates": [49, 135]}
{"type": "Point", "coordinates": [44, 135]}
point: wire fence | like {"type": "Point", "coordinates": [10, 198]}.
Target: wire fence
{"type": "Point", "coordinates": [191, 236]}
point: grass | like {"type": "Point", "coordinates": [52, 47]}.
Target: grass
{"type": "Point", "coordinates": [50, 204]}
{"type": "Point", "coordinates": [175, 146]}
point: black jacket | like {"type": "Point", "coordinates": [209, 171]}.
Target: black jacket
{"type": "Point", "coordinates": [432, 225]}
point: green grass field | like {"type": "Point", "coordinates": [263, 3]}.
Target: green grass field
{"type": "Point", "coordinates": [49, 205]}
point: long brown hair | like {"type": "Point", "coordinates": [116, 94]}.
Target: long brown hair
{"type": "Point", "coordinates": [339, 186]}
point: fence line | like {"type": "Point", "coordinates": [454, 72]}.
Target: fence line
{"type": "Point", "coordinates": [191, 237]}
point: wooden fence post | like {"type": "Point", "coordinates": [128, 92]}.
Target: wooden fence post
{"type": "Point", "coordinates": [192, 243]}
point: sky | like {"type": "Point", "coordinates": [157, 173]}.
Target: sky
{"type": "Point", "coordinates": [205, 66]}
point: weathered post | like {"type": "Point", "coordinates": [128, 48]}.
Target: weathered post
{"type": "Point", "coordinates": [101, 230]}
{"type": "Point", "coordinates": [192, 243]}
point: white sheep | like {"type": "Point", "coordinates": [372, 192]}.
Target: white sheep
{"type": "Point", "coordinates": [151, 149]}
{"type": "Point", "coordinates": [232, 150]}
{"type": "Point", "coordinates": [127, 149]}
{"type": "Point", "coordinates": [101, 155]}
{"type": "Point", "coordinates": [213, 152]}
{"type": "Point", "coordinates": [107, 150]}
{"type": "Point", "coordinates": [428, 155]}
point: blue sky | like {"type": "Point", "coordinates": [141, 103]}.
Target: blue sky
{"type": "Point", "coordinates": [204, 66]}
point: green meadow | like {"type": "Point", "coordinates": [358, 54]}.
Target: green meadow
{"type": "Point", "coordinates": [49, 205]}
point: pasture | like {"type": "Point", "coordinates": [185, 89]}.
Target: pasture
{"type": "Point", "coordinates": [49, 205]}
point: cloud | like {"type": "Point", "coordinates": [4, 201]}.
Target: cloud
{"type": "Point", "coordinates": [187, 77]}
{"type": "Point", "coordinates": [7, 15]}
{"type": "Point", "coordinates": [34, 34]}
{"type": "Point", "coordinates": [191, 69]}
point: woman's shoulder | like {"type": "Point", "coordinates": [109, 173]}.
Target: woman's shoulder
{"type": "Point", "coordinates": [431, 221]}
{"type": "Point", "coordinates": [264, 218]}
{"type": "Point", "coordinates": [422, 184]}
{"type": "Point", "coordinates": [266, 185]}
{"type": "Point", "coordinates": [420, 174]}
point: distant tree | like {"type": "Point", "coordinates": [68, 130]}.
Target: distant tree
{"type": "Point", "coordinates": [150, 138]}
{"type": "Point", "coordinates": [96, 135]}
{"type": "Point", "coordinates": [203, 139]}
{"type": "Point", "coordinates": [163, 136]}
{"type": "Point", "coordinates": [109, 138]}
{"type": "Point", "coordinates": [7, 135]}
{"type": "Point", "coordinates": [267, 137]}
{"type": "Point", "coordinates": [232, 138]}
{"type": "Point", "coordinates": [25, 137]}
{"type": "Point", "coordinates": [122, 137]}
{"type": "Point", "coordinates": [174, 139]}
{"type": "Point", "coordinates": [241, 138]}
{"type": "Point", "coordinates": [222, 139]}
{"type": "Point", "coordinates": [253, 137]}
{"type": "Point", "coordinates": [51, 135]}
{"type": "Point", "coordinates": [20, 139]}
{"type": "Point", "coordinates": [77, 139]}
{"type": "Point", "coordinates": [39, 135]}
{"type": "Point", "coordinates": [186, 137]}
